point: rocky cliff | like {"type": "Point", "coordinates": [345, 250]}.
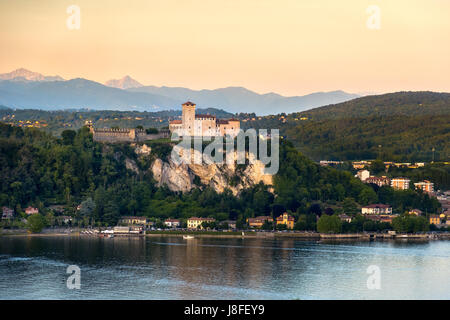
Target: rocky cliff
{"type": "Point", "coordinates": [183, 177]}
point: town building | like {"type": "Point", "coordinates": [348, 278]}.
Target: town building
{"type": "Point", "coordinates": [416, 212]}
{"type": "Point", "coordinates": [202, 125]}
{"type": "Point", "coordinates": [195, 222]}
{"type": "Point", "coordinates": [31, 210]}
{"type": "Point", "coordinates": [363, 174]}
{"type": "Point", "coordinates": [64, 219]}
{"type": "Point", "coordinates": [400, 183]}
{"type": "Point", "coordinates": [287, 220]}
{"type": "Point", "coordinates": [379, 181]}
{"type": "Point", "coordinates": [376, 209]}
{"type": "Point", "coordinates": [435, 219]}
{"type": "Point", "coordinates": [425, 186]}
{"type": "Point", "coordinates": [172, 223]}
{"type": "Point", "coordinates": [132, 220]}
{"type": "Point", "coordinates": [360, 164]}
{"type": "Point", "coordinates": [7, 213]}
{"type": "Point", "coordinates": [344, 217]}
{"type": "Point", "coordinates": [230, 223]}
{"type": "Point", "coordinates": [259, 221]}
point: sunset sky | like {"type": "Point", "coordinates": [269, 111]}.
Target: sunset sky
{"type": "Point", "coordinates": [291, 47]}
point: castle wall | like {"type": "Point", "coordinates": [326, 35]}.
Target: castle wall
{"type": "Point", "coordinates": [126, 135]}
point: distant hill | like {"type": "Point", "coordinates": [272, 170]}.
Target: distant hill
{"type": "Point", "coordinates": [125, 83]}
{"type": "Point", "coordinates": [398, 103]}
{"type": "Point", "coordinates": [403, 126]}
{"type": "Point", "coordinates": [27, 75]}
{"type": "Point", "coordinates": [239, 99]}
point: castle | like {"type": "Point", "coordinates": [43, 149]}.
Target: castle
{"type": "Point", "coordinates": [202, 125]}
{"type": "Point", "coordinates": [124, 135]}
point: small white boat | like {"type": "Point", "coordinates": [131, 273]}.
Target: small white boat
{"type": "Point", "coordinates": [188, 237]}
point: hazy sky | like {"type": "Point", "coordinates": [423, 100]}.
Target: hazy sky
{"type": "Point", "coordinates": [291, 47]}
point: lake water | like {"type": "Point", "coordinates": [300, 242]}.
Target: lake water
{"type": "Point", "coordinates": [213, 268]}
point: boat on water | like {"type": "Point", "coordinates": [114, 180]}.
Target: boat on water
{"type": "Point", "coordinates": [188, 237]}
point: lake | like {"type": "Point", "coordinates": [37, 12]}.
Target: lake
{"type": "Point", "coordinates": [221, 268]}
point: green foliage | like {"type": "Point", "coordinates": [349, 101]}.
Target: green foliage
{"type": "Point", "coordinates": [410, 223]}
{"type": "Point", "coordinates": [40, 169]}
{"type": "Point", "coordinates": [35, 223]}
{"type": "Point", "coordinates": [152, 131]}
{"type": "Point", "coordinates": [329, 224]}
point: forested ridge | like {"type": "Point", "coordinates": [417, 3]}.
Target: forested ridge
{"type": "Point", "coordinates": [39, 169]}
{"type": "Point", "coordinates": [402, 126]}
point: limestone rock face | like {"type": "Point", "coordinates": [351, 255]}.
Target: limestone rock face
{"type": "Point", "coordinates": [180, 177]}
{"type": "Point", "coordinates": [142, 150]}
{"type": "Point", "coordinates": [175, 177]}
{"type": "Point", "coordinates": [131, 165]}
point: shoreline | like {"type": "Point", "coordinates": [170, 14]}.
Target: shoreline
{"type": "Point", "coordinates": [313, 236]}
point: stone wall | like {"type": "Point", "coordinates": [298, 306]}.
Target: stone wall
{"type": "Point", "coordinates": [127, 135]}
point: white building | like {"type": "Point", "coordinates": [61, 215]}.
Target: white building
{"type": "Point", "coordinates": [202, 125]}
{"type": "Point", "coordinates": [363, 174]}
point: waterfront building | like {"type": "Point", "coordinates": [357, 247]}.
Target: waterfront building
{"type": "Point", "coordinates": [202, 125]}
{"type": "Point", "coordinates": [381, 217]}
{"type": "Point", "coordinates": [231, 224]}
{"type": "Point", "coordinates": [363, 174]}
{"type": "Point", "coordinates": [400, 183]}
{"type": "Point", "coordinates": [376, 209]}
{"type": "Point", "coordinates": [425, 186]}
{"type": "Point", "coordinates": [7, 213]}
{"type": "Point", "coordinates": [172, 223]}
{"type": "Point", "coordinates": [435, 219]}
{"type": "Point", "coordinates": [195, 222]}
{"type": "Point", "coordinates": [31, 210]}
{"type": "Point", "coordinates": [259, 221]}
{"type": "Point", "coordinates": [132, 220]}
{"type": "Point", "coordinates": [121, 230]}
{"type": "Point", "coordinates": [287, 220]}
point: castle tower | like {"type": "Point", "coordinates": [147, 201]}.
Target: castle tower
{"type": "Point", "coordinates": [88, 123]}
{"type": "Point", "coordinates": [188, 118]}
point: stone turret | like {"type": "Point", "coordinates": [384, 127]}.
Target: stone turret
{"type": "Point", "coordinates": [188, 118]}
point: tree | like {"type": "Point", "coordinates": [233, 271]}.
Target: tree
{"type": "Point", "coordinates": [410, 223]}
{"type": "Point", "coordinates": [329, 224]}
{"type": "Point", "coordinates": [350, 206]}
{"type": "Point", "coordinates": [377, 167]}
{"type": "Point", "coordinates": [87, 207]}
{"type": "Point", "coordinates": [35, 223]}
{"type": "Point", "coordinates": [68, 136]}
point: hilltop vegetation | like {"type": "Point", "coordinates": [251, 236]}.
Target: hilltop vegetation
{"type": "Point", "coordinates": [391, 104]}
{"type": "Point", "coordinates": [39, 169]}
{"type": "Point", "coordinates": [403, 126]}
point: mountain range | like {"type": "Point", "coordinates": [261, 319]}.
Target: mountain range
{"type": "Point", "coordinates": [125, 83]}
{"type": "Point", "coordinates": [26, 89]}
